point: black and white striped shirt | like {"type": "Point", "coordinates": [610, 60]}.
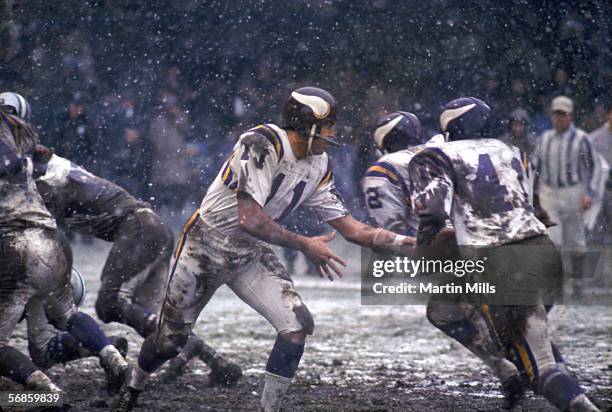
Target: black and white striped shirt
{"type": "Point", "coordinates": [566, 159]}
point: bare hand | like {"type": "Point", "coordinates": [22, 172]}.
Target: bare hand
{"type": "Point", "coordinates": [42, 154]}
{"type": "Point", "coordinates": [320, 254]}
{"type": "Point", "coordinates": [587, 201]}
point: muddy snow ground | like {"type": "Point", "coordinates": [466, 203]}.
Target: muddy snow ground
{"type": "Point", "coordinates": [364, 358]}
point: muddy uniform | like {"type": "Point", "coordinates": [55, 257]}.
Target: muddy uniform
{"type": "Point", "coordinates": [480, 185]}
{"type": "Point", "coordinates": [213, 249]}
{"type": "Point", "coordinates": [142, 246]}
{"type": "Point", "coordinates": [386, 192]}
{"type": "Point", "coordinates": [34, 260]}
{"type": "Point", "coordinates": [387, 195]}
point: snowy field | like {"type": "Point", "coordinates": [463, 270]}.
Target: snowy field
{"type": "Point", "coordinates": [370, 358]}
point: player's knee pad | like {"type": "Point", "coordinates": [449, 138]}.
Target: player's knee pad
{"type": "Point", "coordinates": [449, 318]}
{"type": "Point", "coordinates": [558, 387]}
{"type": "Point", "coordinates": [109, 305]}
{"type": "Point", "coordinates": [285, 357]}
{"type": "Point", "coordinates": [305, 318]}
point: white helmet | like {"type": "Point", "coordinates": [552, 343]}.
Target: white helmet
{"type": "Point", "coordinates": [78, 286]}
{"type": "Point", "coordinates": [16, 103]}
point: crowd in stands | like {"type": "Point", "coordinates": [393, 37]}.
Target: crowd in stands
{"type": "Point", "coordinates": [153, 94]}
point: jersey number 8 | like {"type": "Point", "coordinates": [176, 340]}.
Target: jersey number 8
{"type": "Point", "coordinates": [373, 198]}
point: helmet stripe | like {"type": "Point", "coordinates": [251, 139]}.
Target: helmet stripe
{"type": "Point", "coordinates": [318, 105]}
{"type": "Point", "coordinates": [382, 131]}
{"type": "Point", "coordinates": [451, 114]}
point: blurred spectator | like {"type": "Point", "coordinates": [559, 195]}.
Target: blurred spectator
{"type": "Point", "coordinates": [541, 119]}
{"type": "Point", "coordinates": [131, 161]}
{"type": "Point", "coordinates": [77, 62]}
{"type": "Point", "coordinates": [169, 161]}
{"type": "Point", "coordinates": [77, 139]}
{"type": "Point", "coordinates": [9, 32]}
{"type": "Point", "coordinates": [519, 133]}
{"type": "Point", "coordinates": [561, 83]}
{"type": "Point", "coordinates": [601, 138]}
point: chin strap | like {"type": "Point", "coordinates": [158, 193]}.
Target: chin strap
{"type": "Point", "coordinates": [311, 137]}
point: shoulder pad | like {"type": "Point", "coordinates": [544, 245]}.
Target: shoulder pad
{"type": "Point", "coordinates": [385, 170]}
{"type": "Point", "coordinates": [327, 176]}
{"type": "Point", "coordinates": [258, 136]}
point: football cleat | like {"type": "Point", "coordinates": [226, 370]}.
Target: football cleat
{"type": "Point", "coordinates": [514, 392]}
{"type": "Point", "coordinates": [128, 397]}
{"type": "Point", "coordinates": [225, 373]}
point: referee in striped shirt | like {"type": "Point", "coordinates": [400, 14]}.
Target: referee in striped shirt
{"type": "Point", "coordinates": [566, 172]}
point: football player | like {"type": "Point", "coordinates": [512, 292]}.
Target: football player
{"type": "Point", "coordinates": [270, 172]}
{"type": "Point", "coordinates": [35, 258]}
{"type": "Point", "coordinates": [478, 184]}
{"type": "Point", "coordinates": [398, 137]}
{"type": "Point", "coordinates": [136, 269]}
{"type": "Point", "coordinates": [47, 345]}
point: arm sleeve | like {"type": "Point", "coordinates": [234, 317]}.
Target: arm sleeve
{"type": "Point", "coordinates": [387, 207]}
{"type": "Point", "coordinates": [432, 190]}
{"type": "Point", "coordinates": [256, 161]}
{"type": "Point", "coordinates": [326, 200]}
{"type": "Point", "coordinates": [587, 165]}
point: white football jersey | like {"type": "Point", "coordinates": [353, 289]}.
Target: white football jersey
{"type": "Point", "coordinates": [386, 191]}
{"type": "Point", "coordinates": [263, 165]}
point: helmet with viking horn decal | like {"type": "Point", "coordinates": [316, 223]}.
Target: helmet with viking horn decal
{"type": "Point", "coordinates": [307, 110]}
{"type": "Point", "coordinates": [397, 131]}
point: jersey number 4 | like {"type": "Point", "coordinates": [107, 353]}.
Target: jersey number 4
{"type": "Point", "coordinates": [487, 185]}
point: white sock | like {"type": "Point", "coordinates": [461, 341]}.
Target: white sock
{"type": "Point", "coordinates": [275, 388]}
{"type": "Point", "coordinates": [139, 378]}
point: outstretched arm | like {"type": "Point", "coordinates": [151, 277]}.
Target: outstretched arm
{"type": "Point", "coordinates": [253, 220]}
{"type": "Point", "coordinates": [365, 235]}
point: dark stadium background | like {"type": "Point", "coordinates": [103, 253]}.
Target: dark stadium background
{"type": "Point", "coordinates": [131, 88]}
{"type": "Point", "coordinates": [223, 66]}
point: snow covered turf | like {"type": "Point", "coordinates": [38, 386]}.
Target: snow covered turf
{"type": "Point", "coordinates": [360, 357]}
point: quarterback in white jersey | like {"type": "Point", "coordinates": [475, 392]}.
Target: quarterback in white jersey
{"type": "Point", "coordinates": [278, 182]}
{"type": "Point", "coordinates": [271, 171]}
